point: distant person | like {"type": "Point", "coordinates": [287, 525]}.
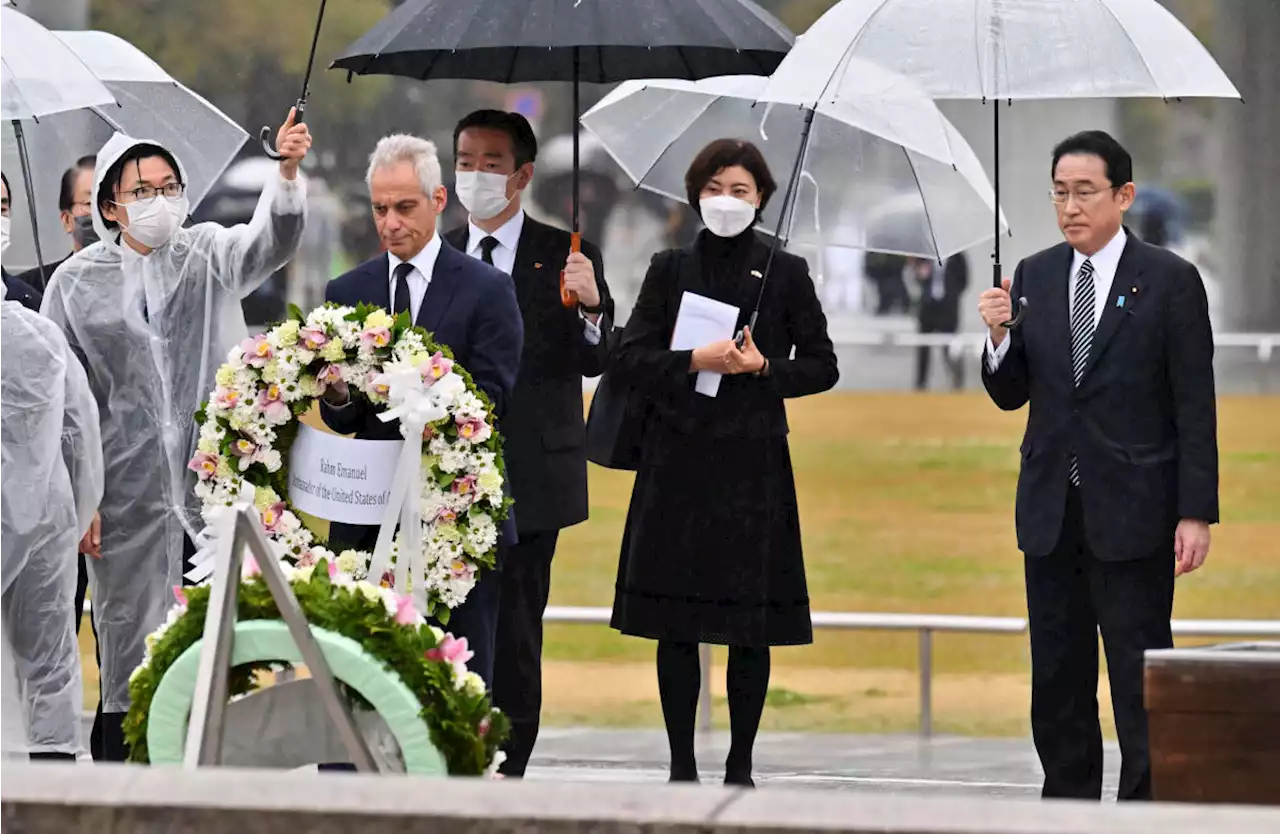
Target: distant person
{"type": "Point", "coordinates": [1154, 230]}
{"type": "Point", "coordinates": [74, 199]}
{"type": "Point", "coordinates": [941, 287]}
{"type": "Point", "coordinates": [711, 551]}
{"type": "Point", "coordinates": [1119, 477]}
{"type": "Point", "coordinates": [15, 288]}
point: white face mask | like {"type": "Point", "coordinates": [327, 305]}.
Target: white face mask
{"type": "Point", "coordinates": [4, 233]}
{"type": "Point", "coordinates": [726, 216]}
{"type": "Point", "coordinates": [482, 193]}
{"type": "Point", "coordinates": [153, 222]}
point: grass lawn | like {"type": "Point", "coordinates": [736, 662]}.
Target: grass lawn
{"type": "Point", "coordinates": [906, 504]}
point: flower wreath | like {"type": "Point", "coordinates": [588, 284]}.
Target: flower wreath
{"type": "Point", "coordinates": [272, 379]}
{"type": "Point", "coordinates": [463, 725]}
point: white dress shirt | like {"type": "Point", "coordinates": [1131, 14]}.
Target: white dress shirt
{"type": "Point", "coordinates": [504, 258]}
{"type": "Point", "coordinates": [1105, 263]}
{"type": "Point", "coordinates": [424, 263]}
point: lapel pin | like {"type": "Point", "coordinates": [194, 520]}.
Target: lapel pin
{"type": "Point", "coordinates": [755, 273]}
{"type": "Point", "coordinates": [1133, 290]}
{"type": "Point", "coordinates": [1120, 301]}
{"type": "Point", "coordinates": [537, 264]}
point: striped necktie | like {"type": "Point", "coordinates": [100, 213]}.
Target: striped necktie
{"type": "Point", "coordinates": [1082, 327]}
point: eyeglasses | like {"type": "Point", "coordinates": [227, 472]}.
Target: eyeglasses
{"type": "Point", "coordinates": [1082, 196]}
{"type": "Point", "coordinates": [146, 192]}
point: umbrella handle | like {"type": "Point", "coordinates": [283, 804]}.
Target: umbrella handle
{"type": "Point", "coordinates": [569, 298]}
{"type": "Point", "coordinates": [1018, 316]}
{"type": "Point", "coordinates": [264, 135]}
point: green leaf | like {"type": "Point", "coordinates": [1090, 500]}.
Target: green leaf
{"type": "Point", "coordinates": [296, 314]}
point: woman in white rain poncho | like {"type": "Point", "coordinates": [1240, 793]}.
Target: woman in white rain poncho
{"type": "Point", "coordinates": [51, 464]}
{"type": "Point", "coordinates": [152, 310]}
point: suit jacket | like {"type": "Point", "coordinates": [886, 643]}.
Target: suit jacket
{"type": "Point", "coordinates": [469, 306]}
{"type": "Point", "coordinates": [33, 279]}
{"type": "Point", "coordinates": [942, 315]}
{"type": "Point", "coordinates": [1142, 422]}
{"type": "Point", "coordinates": [745, 406]}
{"type": "Point", "coordinates": [543, 426]}
{"type": "Point", "coordinates": [18, 290]}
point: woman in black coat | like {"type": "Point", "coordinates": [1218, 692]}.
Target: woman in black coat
{"type": "Point", "coordinates": [711, 552]}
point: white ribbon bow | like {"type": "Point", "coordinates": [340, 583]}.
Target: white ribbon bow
{"type": "Point", "coordinates": [206, 541]}
{"type": "Point", "coordinates": [416, 404]}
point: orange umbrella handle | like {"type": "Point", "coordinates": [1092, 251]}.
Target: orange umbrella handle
{"type": "Point", "coordinates": [569, 298]}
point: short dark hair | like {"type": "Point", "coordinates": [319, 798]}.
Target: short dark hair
{"type": "Point", "coordinates": [1119, 165]}
{"type": "Point", "coordinates": [726, 153]}
{"type": "Point", "coordinates": [111, 181]}
{"type": "Point", "coordinates": [67, 193]}
{"type": "Point", "coordinates": [524, 144]}
{"type": "Point", "coordinates": [6, 184]}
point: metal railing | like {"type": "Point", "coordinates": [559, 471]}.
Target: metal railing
{"type": "Point", "coordinates": [925, 626]}
{"type": "Point", "coordinates": [1266, 345]}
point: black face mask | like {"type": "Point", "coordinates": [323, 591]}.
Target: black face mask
{"type": "Point", "coordinates": [84, 233]}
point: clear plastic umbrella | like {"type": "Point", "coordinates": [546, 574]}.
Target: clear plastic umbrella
{"type": "Point", "coordinates": [1004, 50]}
{"type": "Point", "coordinates": [884, 173]}
{"type": "Point", "coordinates": [39, 76]}
{"type": "Point", "coordinates": [148, 103]}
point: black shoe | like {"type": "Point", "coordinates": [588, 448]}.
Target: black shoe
{"type": "Point", "coordinates": [739, 780]}
{"type": "Point", "coordinates": [684, 773]}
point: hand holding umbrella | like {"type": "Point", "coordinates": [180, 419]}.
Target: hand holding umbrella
{"type": "Point", "coordinates": [293, 140]}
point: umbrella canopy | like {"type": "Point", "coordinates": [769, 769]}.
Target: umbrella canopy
{"type": "Point", "coordinates": [151, 105]}
{"type": "Point", "coordinates": [884, 174]}
{"type": "Point", "coordinates": [1008, 49]}
{"type": "Point", "coordinates": [1004, 49]}
{"type": "Point", "coordinates": [154, 105]}
{"type": "Point", "coordinates": [594, 41]}
{"type": "Point", "coordinates": [39, 75]}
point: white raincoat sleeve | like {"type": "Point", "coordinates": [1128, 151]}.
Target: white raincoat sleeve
{"type": "Point", "coordinates": [241, 257]}
{"type": "Point", "coordinates": [52, 474]}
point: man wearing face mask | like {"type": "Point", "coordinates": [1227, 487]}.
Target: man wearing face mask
{"type": "Point", "coordinates": [494, 154]}
{"type": "Point", "coordinates": [74, 215]}
{"type": "Point", "coordinates": [15, 288]}
{"type": "Point", "coordinates": [152, 310]}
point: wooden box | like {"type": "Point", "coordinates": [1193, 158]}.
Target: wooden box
{"type": "Point", "coordinates": [1214, 714]}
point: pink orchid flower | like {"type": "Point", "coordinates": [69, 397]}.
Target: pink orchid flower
{"type": "Point", "coordinates": [313, 337]}
{"type": "Point", "coordinates": [227, 398]}
{"type": "Point", "coordinates": [243, 448]}
{"type": "Point", "coordinates": [204, 464]}
{"type": "Point", "coordinates": [436, 367]}
{"type": "Point", "coordinates": [464, 485]}
{"type": "Point", "coordinates": [272, 516]}
{"type": "Point", "coordinates": [333, 568]}
{"type": "Point", "coordinates": [483, 727]}
{"type": "Point", "coordinates": [307, 559]}
{"type": "Point", "coordinates": [378, 337]}
{"type": "Point", "coordinates": [451, 650]}
{"type": "Point", "coordinates": [257, 351]}
{"type": "Point", "coordinates": [328, 375]}
{"type": "Point", "coordinates": [388, 578]}
{"type": "Point", "coordinates": [406, 613]}
{"type": "Point", "coordinates": [272, 405]}
{"type": "Point", "coordinates": [462, 570]}
{"type": "Point", "coordinates": [180, 595]}
{"type": "Point", "coordinates": [446, 515]}
{"type": "Point", "coordinates": [250, 568]}
{"type": "Point", "coordinates": [379, 388]}
{"type": "Point", "coordinates": [473, 430]}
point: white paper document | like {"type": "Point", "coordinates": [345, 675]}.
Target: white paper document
{"type": "Point", "coordinates": [701, 321]}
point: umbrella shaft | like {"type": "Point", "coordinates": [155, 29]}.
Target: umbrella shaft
{"type": "Point", "coordinates": [31, 195]}
{"type": "Point", "coordinates": [311, 60]}
{"type": "Point", "coordinates": [577, 110]}
{"type": "Point", "coordinates": [995, 170]}
{"type": "Point", "coordinates": [787, 204]}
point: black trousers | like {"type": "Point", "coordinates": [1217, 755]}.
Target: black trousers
{"type": "Point", "coordinates": [82, 586]}
{"type": "Point", "coordinates": [924, 357]}
{"type": "Point", "coordinates": [1071, 595]}
{"type": "Point", "coordinates": [517, 670]}
{"type": "Point", "coordinates": [106, 740]}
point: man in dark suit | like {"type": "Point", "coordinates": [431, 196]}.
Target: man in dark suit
{"type": "Point", "coordinates": [467, 305]}
{"type": "Point", "coordinates": [1119, 479]}
{"type": "Point", "coordinates": [495, 153]}
{"type": "Point", "coordinates": [74, 199]}
{"type": "Point", "coordinates": [940, 289]}
{"type": "Point", "coordinates": [15, 289]}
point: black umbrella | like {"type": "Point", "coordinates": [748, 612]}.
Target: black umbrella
{"type": "Point", "coordinates": [597, 41]}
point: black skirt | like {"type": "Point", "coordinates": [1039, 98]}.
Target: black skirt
{"type": "Point", "coordinates": [711, 551]}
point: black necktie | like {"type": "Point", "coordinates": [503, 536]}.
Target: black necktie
{"type": "Point", "coordinates": [400, 303]}
{"type": "Point", "coordinates": [486, 249]}
{"type": "Point", "coordinates": [1082, 327]}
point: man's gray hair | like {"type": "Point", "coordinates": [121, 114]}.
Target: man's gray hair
{"type": "Point", "coordinates": [418, 152]}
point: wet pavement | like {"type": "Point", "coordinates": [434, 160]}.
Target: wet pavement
{"type": "Point", "coordinates": [903, 765]}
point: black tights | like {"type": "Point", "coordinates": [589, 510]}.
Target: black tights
{"type": "Point", "coordinates": [679, 679]}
